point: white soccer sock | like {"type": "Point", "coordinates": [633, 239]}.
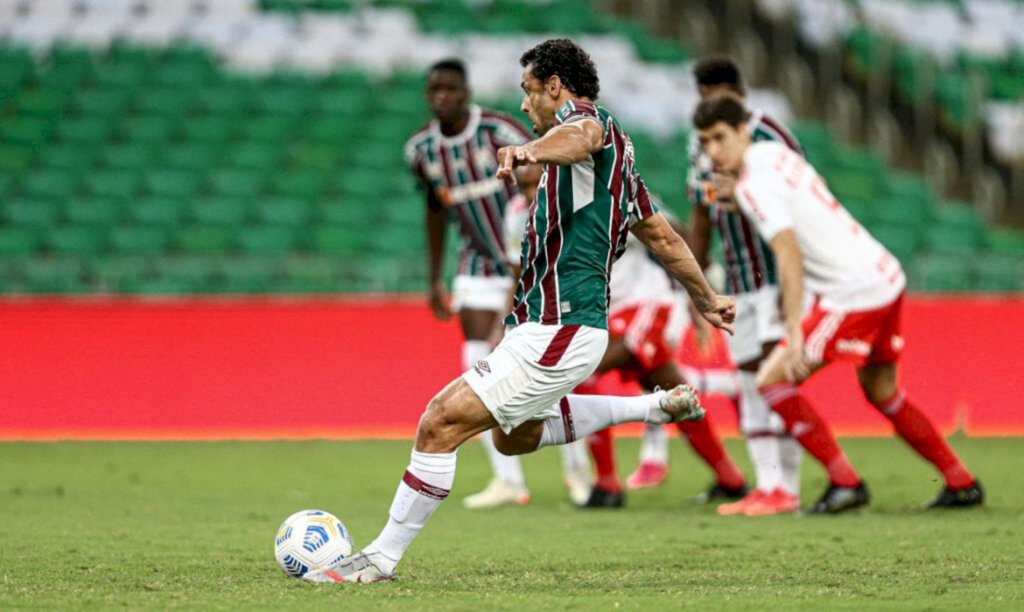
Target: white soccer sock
{"type": "Point", "coordinates": [505, 467]}
{"type": "Point", "coordinates": [575, 457]}
{"type": "Point", "coordinates": [654, 447]}
{"type": "Point", "coordinates": [582, 415]}
{"type": "Point", "coordinates": [764, 454]}
{"type": "Point", "coordinates": [791, 456]}
{"type": "Point", "coordinates": [426, 484]}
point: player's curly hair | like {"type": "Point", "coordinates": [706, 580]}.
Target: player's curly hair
{"type": "Point", "coordinates": [569, 61]}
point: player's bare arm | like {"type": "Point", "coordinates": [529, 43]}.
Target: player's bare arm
{"type": "Point", "coordinates": [436, 225]}
{"type": "Point", "coordinates": [791, 283]}
{"type": "Point", "coordinates": [563, 145]}
{"type": "Point", "coordinates": [671, 250]}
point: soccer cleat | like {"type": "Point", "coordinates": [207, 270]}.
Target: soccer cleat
{"type": "Point", "coordinates": [678, 404]}
{"type": "Point", "coordinates": [498, 493]}
{"type": "Point", "coordinates": [740, 507]}
{"type": "Point", "coordinates": [604, 498]}
{"type": "Point", "coordinates": [719, 492]}
{"type": "Point", "coordinates": [839, 499]}
{"type": "Point", "coordinates": [360, 568]}
{"type": "Point", "coordinates": [973, 495]}
{"type": "Point", "coordinates": [779, 501]}
{"type": "Point", "coordinates": [578, 482]}
{"type": "Point", "coordinates": [648, 474]}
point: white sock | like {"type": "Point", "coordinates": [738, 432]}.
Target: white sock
{"type": "Point", "coordinates": [507, 468]}
{"type": "Point", "coordinates": [654, 447]}
{"type": "Point", "coordinates": [582, 415]}
{"type": "Point", "coordinates": [426, 484]}
{"type": "Point", "coordinates": [575, 457]}
{"type": "Point", "coordinates": [764, 454]}
{"type": "Point", "coordinates": [791, 456]}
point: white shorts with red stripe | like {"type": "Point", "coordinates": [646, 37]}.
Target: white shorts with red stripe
{"type": "Point", "coordinates": [533, 368]}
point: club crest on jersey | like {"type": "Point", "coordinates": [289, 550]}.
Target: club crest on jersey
{"type": "Point", "coordinates": [482, 368]}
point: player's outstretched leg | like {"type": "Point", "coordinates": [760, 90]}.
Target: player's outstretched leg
{"type": "Point", "coordinates": [880, 388]}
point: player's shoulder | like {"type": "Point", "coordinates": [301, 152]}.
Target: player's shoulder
{"type": "Point", "coordinates": [420, 136]}
{"type": "Point", "coordinates": [765, 127]}
{"type": "Point", "coordinates": [760, 157]}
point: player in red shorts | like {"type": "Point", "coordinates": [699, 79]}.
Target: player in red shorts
{"type": "Point", "coordinates": [858, 288]}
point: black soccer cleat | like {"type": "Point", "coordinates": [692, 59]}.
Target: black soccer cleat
{"type": "Point", "coordinates": [973, 495]}
{"type": "Point", "coordinates": [603, 498]}
{"type": "Point", "coordinates": [717, 492]}
{"type": "Point", "coordinates": [840, 499]}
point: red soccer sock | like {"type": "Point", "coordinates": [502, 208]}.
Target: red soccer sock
{"type": "Point", "coordinates": [918, 431]}
{"type": "Point", "coordinates": [603, 451]}
{"type": "Point", "coordinates": [805, 424]}
{"type": "Point", "coordinates": [708, 446]}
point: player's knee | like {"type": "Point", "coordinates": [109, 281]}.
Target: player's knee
{"type": "Point", "coordinates": [437, 425]}
{"type": "Point", "coordinates": [507, 445]}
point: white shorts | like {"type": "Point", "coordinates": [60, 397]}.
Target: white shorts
{"type": "Point", "coordinates": [533, 368]}
{"type": "Point", "coordinates": [481, 292]}
{"type": "Point", "coordinates": [758, 321]}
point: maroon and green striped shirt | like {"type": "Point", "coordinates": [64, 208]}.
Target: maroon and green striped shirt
{"type": "Point", "coordinates": [578, 227]}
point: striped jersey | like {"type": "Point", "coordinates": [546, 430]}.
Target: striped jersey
{"type": "Point", "coordinates": [577, 228]}
{"type": "Point", "coordinates": [749, 263]}
{"type": "Point", "coordinates": [460, 170]}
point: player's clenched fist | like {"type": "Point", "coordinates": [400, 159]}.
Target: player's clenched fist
{"type": "Point", "coordinates": [720, 312]}
{"type": "Point", "coordinates": [510, 158]}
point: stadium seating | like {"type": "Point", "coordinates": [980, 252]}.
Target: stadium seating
{"type": "Point", "coordinates": [140, 166]}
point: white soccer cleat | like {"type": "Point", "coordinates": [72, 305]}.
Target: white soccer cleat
{"type": "Point", "coordinates": [678, 404]}
{"type": "Point", "coordinates": [360, 568]}
{"type": "Point", "coordinates": [579, 483]}
{"type": "Point", "coordinates": [498, 493]}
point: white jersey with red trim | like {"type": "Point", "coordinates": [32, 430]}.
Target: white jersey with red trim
{"type": "Point", "coordinates": [843, 264]}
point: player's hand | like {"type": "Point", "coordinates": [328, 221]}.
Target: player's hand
{"type": "Point", "coordinates": [723, 185]}
{"type": "Point", "coordinates": [510, 158]}
{"type": "Point", "coordinates": [720, 312]}
{"type": "Point", "coordinates": [440, 302]}
{"type": "Point", "coordinates": [795, 364]}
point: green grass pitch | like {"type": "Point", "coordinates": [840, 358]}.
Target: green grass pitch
{"type": "Point", "coordinates": [157, 525]}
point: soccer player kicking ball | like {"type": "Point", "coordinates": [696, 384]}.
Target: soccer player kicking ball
{"type": "Point", "coordinates": [858, 289]}
{"type": "Point", "coordinates": [589, 196]}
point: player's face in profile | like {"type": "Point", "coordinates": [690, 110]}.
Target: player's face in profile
{"type": "Point", "coordinates": [725, 145]}
{"type": "Point", "coordinates": [537, 104]}
{"type": "Point", "coordinates": [447, 95]}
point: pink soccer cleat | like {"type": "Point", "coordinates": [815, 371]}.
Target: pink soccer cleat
{"type": "Point", "coordinates": [647, 475]}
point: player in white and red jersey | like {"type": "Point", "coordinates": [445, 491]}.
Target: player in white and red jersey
{"type": "Point", "coordinates": [858, 288]}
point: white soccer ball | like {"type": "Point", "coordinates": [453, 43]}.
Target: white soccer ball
{"type": "Point", "coordinates": [309, 540]}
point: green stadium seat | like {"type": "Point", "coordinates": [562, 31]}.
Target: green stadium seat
{"type": "Point", "coordinates": [346, 102]}
{"type": "Point", "coordinates": [169, 101]}
{"type": "Point", "coordinates": [150, 129]}
{"type": "Point", "coordinates": [75, 240]}
{"type": "Point", "coordinates": [54, 275]}
{"type": "Point", "coordinates": [1007, 242]}
{"type": "Point", "coordinates": [1000, 273]}
{"type": "Point", "coordinates": [192, 156]}
{"type": "Point", "coordinates": [325, 158]}
{"type": "Point", "coordinates": [224, 99]}
{"type": "Point", "coordinates": [28, 213]}
{"type": "Point", "coordinates": [18, 241]}
{"type": "Point", "coordinates": [185, 76]}
{"type": "Point", "coordinates": [285, 212]}
{"type": "Point", "coordinates": [117, 184]}
{"type": "Point", "coordinates": [247, 274]}
{"type": "Point", "coordinates": [121, 75]}
{"type": "Point", "coordinates": [255, 156]}
{"type": "Point", "coordinates": [43, 104]}
{"type": "Point", "coordinates": [203, 239]}
{"type": "Point", "coordinates": [238, 183]}
{"type": "Point", "coordinates": [157, 211]}
{"type": "Point", "coordinates": [97, 212]}
{"type": "Point", "coordinates": [51, 184]}
{"type": "Point", "coordinates": [69, 157]}
{"type": "Point", "coordinates": [136, 157]}
{"type": "Point", "coordinates": [16, 158]}
{"type": "Point", "coordinates": [212, 129]}
{"type": "Point", "coordinates": [190, 273]}
{"type": "Point", "coordinates": [27, 131]}
{"type": "Point", "coordinates": [103, 102]}
{"type": "Point", "coordinates": [902, 242]}
{"type": "Point", "coordinates": [139, 239]}
{"type": "Point", "coordinates": [117, 273]}
{"type": "Point", "coordinates": [309, 274]}
{"type": "Point", "coordinates": [268, 129]}
{"type": "Point", "coordinates": [178, 184]}
{"type": "Point", "coordinates": [340, 240]}
{"type": "Point", "coordinates": [332, 130]}
{"type": "Point", "coordinates": [219, 210]}
{"type": "Point", "coordinates": [942, 273]}
{"type": "Point", "coordinates": [339, 211]}
{"type": "Point", "coordinates": [267, 239]}
{"type": "Point", "coordinates": [306, 185]}
{"type": "Point", "coordinates": [86, 131]}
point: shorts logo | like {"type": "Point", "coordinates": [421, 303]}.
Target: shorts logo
{"type": "Point", "coordinates": [482, 368]}
{"type": "Point", "coordinates": [897, 343]}
{"type": "Point", "coordinates": [853, 347]}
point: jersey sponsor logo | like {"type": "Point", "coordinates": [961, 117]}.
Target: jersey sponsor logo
{"type": "Point", "coordinates": [853, 347]}
{"type": "Point", "coordinates": [482, 368]}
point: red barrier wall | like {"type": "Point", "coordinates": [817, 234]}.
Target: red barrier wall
{"type": "Point", "coordinates": [274, 368]}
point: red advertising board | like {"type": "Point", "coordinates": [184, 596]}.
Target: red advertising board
{"type": "Point", "coordinates": [280, 368]}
